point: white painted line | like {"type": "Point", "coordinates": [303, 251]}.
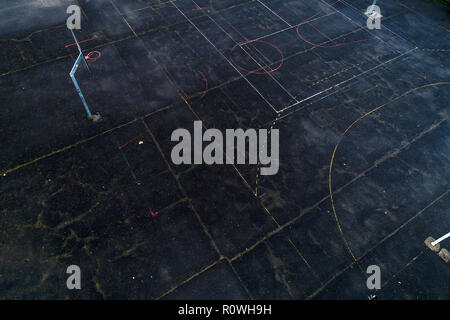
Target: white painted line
{"type": "Point", "coordinates": [276, 14]}
{"type": "Point", "coordinates": [240, 45]}
{"type": "Point", "coordinates": [285, 29]}
{"type": "Point", "coordinates": [349, 5]}
{"type": "Point", "coordinates": [345, 81]}
{"type": "Point", "coordinates": [220, 52]}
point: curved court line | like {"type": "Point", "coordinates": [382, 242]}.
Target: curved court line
{"type": "Point", "coordinates": [339, 142]}
{"type": "Point", "coordinates": [202, 93]}
{"type": "Point", "coordinates": [206, 84]}
{"type": "Point", "coordinates": [307, 21]}
{"type": "Point", "coordinates": [318, 12]}
{"type": "Point", "coordinates": [271, 70]}
{"type": "Point", "coordinates": [93, 56]}
{"type": "Point", "coordinates": [331, 46]}
{"type": "Point", "coordinates": [181, 90]}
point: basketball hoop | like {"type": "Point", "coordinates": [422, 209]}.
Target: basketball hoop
{"type": "Point", "coordinates": [81, 57]}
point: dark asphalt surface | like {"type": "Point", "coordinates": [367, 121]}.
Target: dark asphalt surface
{"type": "Point", "coordinates": [372, 104]}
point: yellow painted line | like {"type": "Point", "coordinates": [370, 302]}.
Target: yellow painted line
{"type": "Point", "coordinates": [121, 14]}
{"type": "Point", "coordinates": [45, 156]}
{"type": "Point", "coordinates": [258, 169]}
{"type": "Point", "coordinates": [82, 10]}
{"type": "Point", "coordinates": [342, 137]}
{"type": "Point", "coordinates": [370, 89]}
{"type": "Point", "coordinates": [135, 34]}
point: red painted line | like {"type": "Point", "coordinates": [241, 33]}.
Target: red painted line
{"type": "Point", "coordinates": [331, 4]}
{"type": "Point", "coordinates": [72, 44]}
{"type": "Point", "coordinates": [183, 93]}
{"type": "Point", "coordinates": [125, 144]}
{"type": "Point", "coordinates": [89, 57]}
{"type": "Point", "coordinates": [263, 60]}
{"type": "Point", "coordinates": [154, 214]}
{"type": "Point", "coordinates": [169, 74]}
{"type": "Point", "coordinates": [180, 90]}
{"type": "Point", "coordinates": [206, 84]}
{"type": "Point", "coordinates": [175, 82]}
{"type": "Point", "coordinates": [331, 46]}
{"type": "Point", "coordinates": [317, 29]}
{"type": "Point", "coordinates": [322, 46]}
{"type": "Point", "coordinates": [257, 72]}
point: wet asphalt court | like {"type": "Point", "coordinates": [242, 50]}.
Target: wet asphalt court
{"type": "Point", "coordinates": [372, 105]}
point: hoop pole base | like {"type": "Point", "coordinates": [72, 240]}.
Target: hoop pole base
{"type": "Point", "coordinates": [77, 87]}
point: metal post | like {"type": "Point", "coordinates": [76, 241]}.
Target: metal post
{"type": "Point", "coordinates": [440, 239]}
{"type": "Point", "coordinates": [373, 6]}
{"type": "Point", "coordinates": [79, 49]}
{"type": "Point", "coordinates": [77, 87]}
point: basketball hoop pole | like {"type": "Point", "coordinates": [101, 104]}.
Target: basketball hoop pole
{"type": "Point", "coordinates": [77, 87]}
{"type": "Point", "coordinates": [440, 239]}
{"type": "Point", "coordinates": [79, 49]}
{"type": "Point", "coordinates": [373, 6]}
{"type": "Point", "coordinates": [97, 116]}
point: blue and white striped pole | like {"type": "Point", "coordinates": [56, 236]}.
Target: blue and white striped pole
{"type": "Point", "coordinates": [373, 7]}
{"type": "Point", "coordinates": [72, 76]}
{"type": "Point", "coordinates": [79, 50]}
{"type": "Point", "coordinates": [80, 58]}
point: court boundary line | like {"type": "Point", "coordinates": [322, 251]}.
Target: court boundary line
{"type": "Point", "coordinates": [343, 135]}
{"type": "Point", "coordinates": [241, 46]}
{"type": "Point", "coordinates": [354, 22]}
{"type": "Point", "coordinates": [274, 13]}
{"type": "Point", "coordinates": [292, 27]}
{"type": "Point", "coordinates": [111, 43]}
{"type": "Point", "coordinates": [332, 6]}
{"type": "Point", "coordinates": [348, 80]}
{"type": "Point", "coordinates": [223, 56]}
{"type": "Point", "coordinates": [356, 10]}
